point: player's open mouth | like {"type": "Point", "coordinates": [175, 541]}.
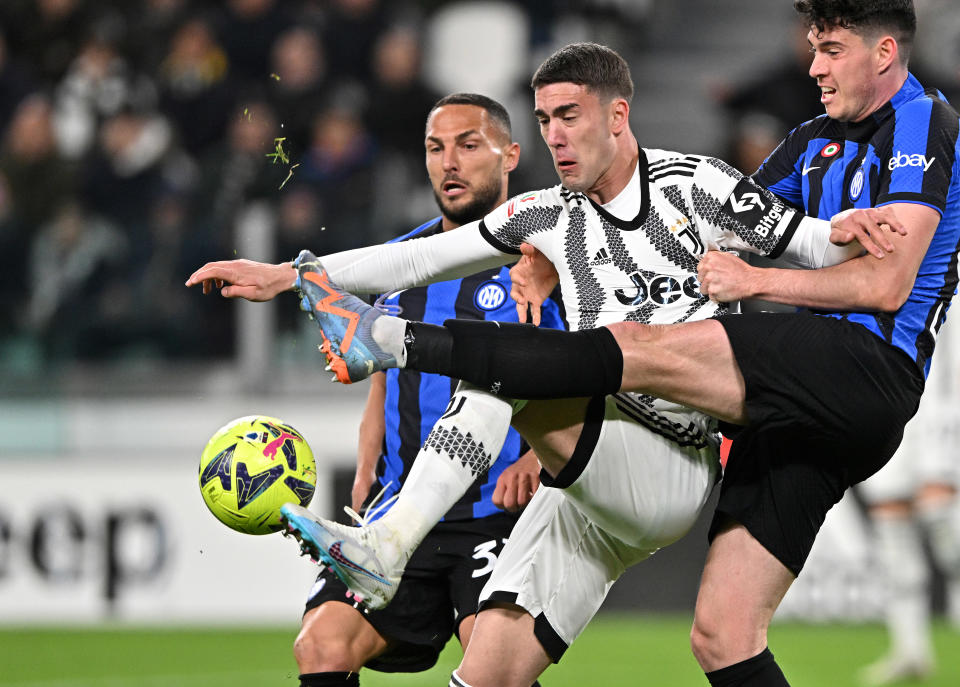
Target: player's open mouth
{"type": "Point", "coordinates": [453, 188]}
{"type": "Point", "coordinates": [827, 93]}
{"type": "Point", "coordinates": [566, 164]}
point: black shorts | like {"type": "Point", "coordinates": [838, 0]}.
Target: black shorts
{"type": "Point", "coordinates": [440, 586]}
{"type": "Point", "coordinates": [827, 402]}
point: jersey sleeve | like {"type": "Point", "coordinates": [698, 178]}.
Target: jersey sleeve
{"type": "Point", "coordinates": [521, 219]}
{"type": "Point", "coordinates": [920, 164]}
{"type": "Point", "coordinates": [422, 261]}
{"type": "Point", "coordinates": [734, 213]}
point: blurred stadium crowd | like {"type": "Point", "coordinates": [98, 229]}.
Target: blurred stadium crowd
{"type": "Point", "coordinates": [135, 134]}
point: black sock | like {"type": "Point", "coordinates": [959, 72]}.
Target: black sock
{"type": "Point", "coordinates": [760, 671]}
{"type": "Point", "coordinates": [518, 360]}
{"type": "Point", "coordinates": [341, 679]}
{"type": "Point", "coordinates": [429, 348]}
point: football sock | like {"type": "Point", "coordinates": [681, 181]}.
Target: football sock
{"type": "Point", "coordinates": [760, 671]}
{"type": "Point", "coordinates": [941, 520]}
{"type": "Point", "coordinates": [340, 679]}
{"type": "Point", "coordinates": [518, 360]}
{"type": "Point", "coordinates": [942, 523]}
{"type": "Point", "coordinates": [903, 562]}
{"type": "Point", "coordinates": [455, 681]}
{"type": "Point", "coordinates": [388, 332]}
{"type": "Point", "coordinates": [463, 444]}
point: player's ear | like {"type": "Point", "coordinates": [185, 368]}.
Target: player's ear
{"type": "Point", "coordinates": [887, 53]}
{"type": "Point", "coordinates": [511, 157]}
{"type": "Point", "coordinates": [619, 115]}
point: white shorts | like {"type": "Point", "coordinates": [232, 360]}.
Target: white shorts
{"type": "Point", "coordinates": [927, 454]}
{"type": "Point", "coordinates": [632, 492]}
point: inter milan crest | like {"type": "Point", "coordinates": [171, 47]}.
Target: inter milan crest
{"type": "Point", "coordinates": [490, 295]}
{"type": "Point", "coordinates": [857, 184]}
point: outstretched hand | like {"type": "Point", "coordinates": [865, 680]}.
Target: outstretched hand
{"type": "Point", "coordinates": [254, 281]}
{"type": "Point", "coordinates": [533, 280]}
{"type": "Point", "coordinates": [869, 226]}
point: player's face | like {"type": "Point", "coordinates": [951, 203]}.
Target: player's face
{"type": "Point", "coordinates": [465, 162]}
{"type": "Point", "coordinates": [577, 127]}
{"type": "Point", "coordinates": [845, 67]}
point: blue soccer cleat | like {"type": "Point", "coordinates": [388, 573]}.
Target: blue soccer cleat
{"type": "Point", "coordinates": [351, 553]}
{"type": "Point", "coordinates": [345, 322]}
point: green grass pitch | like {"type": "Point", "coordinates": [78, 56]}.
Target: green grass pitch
{"type": "Point", "coordinates": [615, 650]}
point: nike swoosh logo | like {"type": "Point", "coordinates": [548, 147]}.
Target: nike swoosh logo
{"type": "Point", "coordinates": [807, 170]}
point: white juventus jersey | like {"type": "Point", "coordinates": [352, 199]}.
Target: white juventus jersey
{"type": "Point", "coordinates": [645, 269]}
{"type": "Point", "coordinates": [614, 270]}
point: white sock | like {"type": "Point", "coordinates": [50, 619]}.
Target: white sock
{"type": "Point", "coordinates": [388, 331]}
{"type": "Point", "coordinates": [457, 681]}
{"type": "Point", "coordinates": [901, 554]}
{"type": "Point", "coordinates": [942, 523]}
{"type": "Point", "coordinates": [463, 444]}
{"type": "Point", "coordinates": [941, 519]}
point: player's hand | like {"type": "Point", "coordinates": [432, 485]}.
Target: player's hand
{"type": "Point", "coordinates": [362, 482]}
{"type": "Point", "coordinates": [869, 226]}
{"type": "Point", "coordinates": [534, 278]}
{"type": "Point", "coordinates": [724, 277]}
{"type": "Point", "coordinates": [518, 483]}
{"type": "Point", "coordinates": [254, 281]}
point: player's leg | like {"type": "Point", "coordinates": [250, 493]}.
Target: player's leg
{"type": "Point", "coordinates": [901, 559]}
{"type": "Point", "coordinates": [741, 587]}
{"type": "Point", "coordinates": [638, 469]}
{"type": "Point", "coordinates": [438, 591]}
{"type": "Point", "coordinates": [548, 582]}
{"type": "Point", "coordinates": [690, 363]}
{"type": "Point", "coordinates": [777, 488]}
{"type": "Point", "coordinates": [334, 642]}
{"type": "Point", "coordinates": [465, 442]}
{"type": "Point", "coordinates": [903, 563]}
{"type": "Point", "coordinates": [506, 652]}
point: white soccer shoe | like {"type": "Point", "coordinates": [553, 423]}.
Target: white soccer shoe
{"type": "Point", "coordinates": [363, 558]}
{"type": "Point", "coordinates": [893, 669]}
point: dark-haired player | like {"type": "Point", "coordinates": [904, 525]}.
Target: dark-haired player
{"type": "Point", "coordinates": [469, 156]}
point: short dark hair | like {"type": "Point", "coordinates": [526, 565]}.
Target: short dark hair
{"type": "Point", "coordinates": [599, 68]}
{"type": "Point", "coordinates": [498, 113]}
{"type": "Point", "coordinates": [864, 17]}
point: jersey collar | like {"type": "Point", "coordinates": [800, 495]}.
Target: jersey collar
{"type": "Point", "coordinates": [862, 131]}
{"type": "Point", "coordinates": [636, 222]}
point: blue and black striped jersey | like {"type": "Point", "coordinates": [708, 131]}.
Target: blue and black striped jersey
{"type": "Point", "coordinates": [415, 400]}
{"type": "Point", "coordinates": [906, 152]}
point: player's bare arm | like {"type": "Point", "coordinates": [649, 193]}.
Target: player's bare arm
{"type": "Point", "coordinates": [863, 283]}
{"type": "Point", "coordinates": [254, 281]}
{"type": "Point", "coordinates": [533, 279]}
{"type": "Point", "coordinates": [870, 227]}
{"type": "Point", "coordinates": [370, 440]}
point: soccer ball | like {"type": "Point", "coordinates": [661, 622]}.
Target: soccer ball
{"type": "Point", "coordinates": [250, 468]}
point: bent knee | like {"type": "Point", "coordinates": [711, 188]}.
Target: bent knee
{"type": "Point", "coordinates": [318, 649]}
{"type": "Point", "coordinates": [716, 646]}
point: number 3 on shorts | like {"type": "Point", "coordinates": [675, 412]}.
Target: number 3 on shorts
{"type": "Point", "coordinates": [485, 552]}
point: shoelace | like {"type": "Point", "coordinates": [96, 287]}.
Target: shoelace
{"type": "Point", "coordinates": [372, 509]}
{"type": "Point", "coordinates": [393, 309]}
